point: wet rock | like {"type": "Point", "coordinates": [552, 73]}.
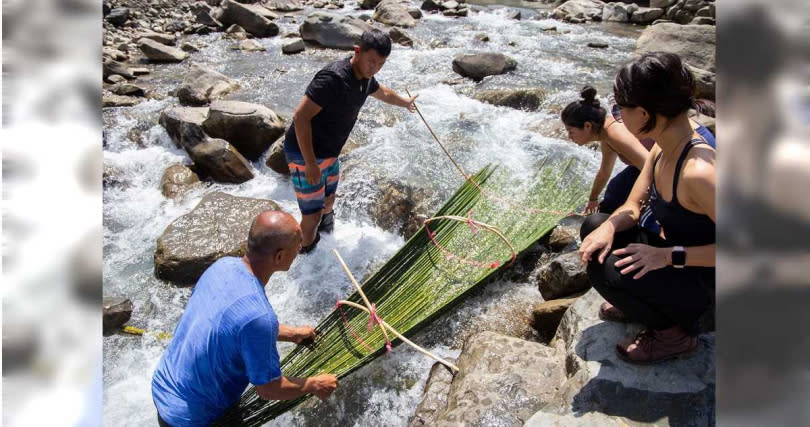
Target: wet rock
{"type": "Point", "coordinates": [111, 177]}
{"type": "Point", "coordinates": [277, 160]}
{"type": "Point", "coordinates": [449, 5]}
{"type": "Point", "coordinates": [546, 316]}
{"type": "Point", "coordinates": [118, 16]}
{"type": "Point", "coordinates": [293, 46]}
{"type": "Point", "coordinates": [561, 239]}
{"type": "Point", "coordinates": [177, 179]}
{"type": "Point", "coordinates": [284, 5]}
{"type": "Point", "coordinates": [399, 207]}
{"type": "Point", "coordinates": [236, 32]}
{"type": "Point", "coordinates": [116, 312]}
{"type": "Point", "coordinates": [368, 4]}
{"type": "Point", "coordinates": [217, 227]}
{"type": "Point", "coordinates": [110, 99]}
{"type": "Point", "coordinates": [598, 45]}
{"type": "Point", "coordinates": [392, 12]}
{"type": "Point", "coordinates": [114, 54]}
{"type": "Point", "coordinates": [680, 391]}
{"type": "Point", "coordinates": [434, 399]}
{"type": "Point", "coordinates": [707, 11]}
{"type": "Point", "coordinates": [127, 89]}
{"type": "Point", "coordinates": [254, 19]}
{"type": "Point", "coordinates": [430, 5]}
{"type": "Point", "coordinates": [112, 67]}
{"type": "Point", "coordinates": [158, 52]}
{"type": "Point", "coordinates": [502, 381]}
{"type": "Point", "coordinates": [203, 85]}
{"type": "Point", "coordinates": [479, 65]}
{"type": "Point", "coordinates": [220, 161]}
{"type": "Point", "coordinates": [482, 37]}
{"type": "Point", "coordinates": [401, 37]}
{"type": "Point", "coordinates": [252, 128]}
{"type": "Point", "coordinates": [332, 30]}
{"type": "Point", "coordinates": [703, 20]}
{"type": "Point", "coordinates": [415, 12]}
{"type": "Point", "coordinates": [115, 78]}
{"type": "Point", "coordinates": [167, 39]}
{"type": "Point", "coordinates": [513, 14]}
{"type": "Point", "coordinates": [528, 99]}
{"type": "Point", "coordinates": [662, 4]}
{"type": "Point", "coordinates": [646, 15]}
{"type": "Point", "coordinates": [251, 45]}
{"type": "Point", "coordinates": [695, 44]}
{"type": "Point", "coordinates": [550, 128]}
{"type": "Point", "coordinates": [563, 276]}
{"type": "Point", "coordinates": [184, 125]}
{"type": "Point", "coordinates": [615, 12]}
{"type": "Point", "coordinates": [579, 10]}
{"type": "Point", "coordinates": [206, 17]}
{"type": "Point", "coordinates": [188, 47]}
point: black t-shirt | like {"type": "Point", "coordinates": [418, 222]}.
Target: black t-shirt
{"type": "Point", "coordinates": [340, 95]}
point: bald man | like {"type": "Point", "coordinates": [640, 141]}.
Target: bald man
{"type": "Point", "coordinates": [226, 337]}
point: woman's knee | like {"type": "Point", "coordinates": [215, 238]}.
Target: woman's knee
{"type": "Point", "coordinates": [592, 222]}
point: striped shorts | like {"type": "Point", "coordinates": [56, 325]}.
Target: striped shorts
{"type": "Point", "coordinates": [311, 197]}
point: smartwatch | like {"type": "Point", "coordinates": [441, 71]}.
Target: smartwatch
{"type": "Point", "coordinates": [678, 257]}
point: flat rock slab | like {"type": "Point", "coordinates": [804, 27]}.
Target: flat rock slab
{"type": "Point", "coordinates": [217, 227]}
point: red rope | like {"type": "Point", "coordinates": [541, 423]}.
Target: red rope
{"type": "Point", "coordinates": [449, 255]}
{"type": "Point", "coordinates": [374, 318]}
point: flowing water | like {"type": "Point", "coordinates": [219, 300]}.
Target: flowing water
{"type": "Point", "coordinates": [387, 142]}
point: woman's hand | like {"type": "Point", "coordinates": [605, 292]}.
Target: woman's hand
{"type": "Point", "coordinates": [601, 240]}
{"type": "Point", "coordinates": [645, 257]}
{"type": "Point", "coordinates": [591, 207]}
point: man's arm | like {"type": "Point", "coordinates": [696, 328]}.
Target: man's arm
{"type": "Point", "coordinates": [290, 388]}
{"type": "Point", "coordinates": [302, 118]}
{"type": "Point", "coordinates": [296, 334]}
{"type": "Point", "coordinates": [388, 96]}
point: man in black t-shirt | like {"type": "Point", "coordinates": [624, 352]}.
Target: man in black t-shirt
{"type": "Point", "coordinates": [322, 123]}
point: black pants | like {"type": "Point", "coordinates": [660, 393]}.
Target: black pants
{"type": "Point", "coordinates": [661, 298]}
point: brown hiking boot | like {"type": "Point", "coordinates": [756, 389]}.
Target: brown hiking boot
{"type": "Point", "coordinates": [657, 346]}
{"type": "Point", "coordinates": [609, 312]}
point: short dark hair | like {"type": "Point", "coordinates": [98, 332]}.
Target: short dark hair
{"type": "Point", "coordinates": [659, 82]}
{"type": "Point", "coordinates": [377, 40]}
{"type": "Point", "coordinates": [585, 110]}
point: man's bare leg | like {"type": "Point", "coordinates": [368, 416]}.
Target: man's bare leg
{"type": "Point", "coordinates": [329, 202]}
{"type": "Point", "coordinates": [309, 226]}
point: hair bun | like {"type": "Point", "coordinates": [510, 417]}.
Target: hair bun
{"type": "Point", "coordinates": [588, 95]}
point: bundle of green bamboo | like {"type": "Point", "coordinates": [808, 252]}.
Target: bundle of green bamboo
{"type": "Point", "coordinates": [421, 280]}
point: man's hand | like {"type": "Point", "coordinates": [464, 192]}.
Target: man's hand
{"type": "Point", "coordinates": [591, 207]}
{"type": "Point", "coordinates": [645, 257]}
{"type": "Point", "coordinates": [303, 334]}
{"type": "Point", "coordinates": [409, 103]}
{"type": "Point", "coordinates": [313, 173]}
{"type": "Point", "coordinates": [322, 385]}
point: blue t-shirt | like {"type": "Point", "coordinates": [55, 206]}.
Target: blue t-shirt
{"type": "Point", "coordinates": [226, 339]}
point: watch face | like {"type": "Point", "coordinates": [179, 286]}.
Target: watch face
{"type": "Point", "coordinates": [678, 257]}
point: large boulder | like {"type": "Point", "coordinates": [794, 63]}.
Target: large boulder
{"type": "Point", "coordinates": [118, 16]}
{"type": "Point", "coordinates": [163, 38]}
{"type": "Point", "coordinates": [159, 52]}
{"type": "Point", "coordinates": [111, 67]}
{"type": "Point", "coordinates": [579, 9]}
{"type": "Point", "coordinates": [393, 12]}
{"type": "Point", "coordinates": [277, 160]}
{"type": "Point", "coordinates": [255, 19]}
{"type": "Point", "coordinates": [501, 381]}
{"type": "Point", "coordinates": [177, 179]}
{"type": "Point", "coordinates": [563, 276]}
{"type": "Point", "coordinates": [219, 160]}
{"type": "Point", "coordinates": [251, 128]}
{"type": "Point", "coordinates": [292, 46]}
{"type": "Point", "coordinates": [368, 4]}
{"type": "Point", "coordinates": [615, 12]}
{"type": "Point", "coordinates": [434, 399]}
{"type": "Point", "coordinates": [400, 37]}
{"type": "Point", "coordinates": [528, 99]}
{"type": "Point", "coordinates": [184, 125]}
{"type": "Point", "coordinates": [217, 227]}
{"type": "Point", "coordinates": [681, 392]}
{"type": "Point", "coordinates": [646, 15]}
{"type": "Point", "coordinates": [203, 85]}
{"type": "Point", "coordinates": [115, 312]}
{"type": "Point", "coordinates": [332, 30]}
{"type": "Point", "coordinates": [479, 65]}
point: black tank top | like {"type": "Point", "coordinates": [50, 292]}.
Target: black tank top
{"type": "Point", "coordinates": [681, 226]}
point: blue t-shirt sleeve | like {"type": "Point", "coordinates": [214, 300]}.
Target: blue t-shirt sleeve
{"type": "Point", "coordinates": [257, 341]}
{"type": "Point", "coordinates": [324, 89]}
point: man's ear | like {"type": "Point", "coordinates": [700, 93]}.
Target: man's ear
{"type": "Point", "coordinates": [278, 256]}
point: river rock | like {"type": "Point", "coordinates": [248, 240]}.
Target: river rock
{"type": "Point", "coordinates": [702, 20]}
{"type": "Point", "coordinates": [399, 36]}
{"type": "Point", "coordinates": [392, 12]}
{"type": "Point", "coordinates": [561, 239]}
{"type": "Point", "coordinates": [254, 19]}
{"type": "Point", "coordinates": [563, 276]}
{"type": "Point", "coordinates": [528, 99]}
{"type": "Point", "coordinates": [705, 83]}
{"type": "Point", "coordinates": [332, 30]}
{"type": "Point", "coordinates": [479, 65]}
{"type": "Point", "coordinates": [598, 45]}
{"type": "Point", "coordinates": [502, 381]}
{"type": "Point", "coordinates": [434, 399]}
{"type": "Point", "coordinates": [108, 52]}
{"type": "Point", "coordinates": [284, 5]}
{"type": "Point", "coordinates": [158, 52]}
{"type": "Point", "coordinates": [162, 38]}
{"type": "Point", "coordinates": [177, 179]}
{"type": "Point", "coordinates": [112, 67]}
{"type": "Point", "coordinates": [415, 12]}
{"type": "Point", "coordinates": [292, 46]}
{"type": "Point", "coordinates": [221, 161]}
{"type": "Point", "coordinates": [217, 227]}
{"type": "Point", "coordinates": [430, 5]}
{"type": "Point", "coordinates": [646, 15]}
{"type": "Point", "coordinates": [188, 47]}
{"type": "Point", "coordinates": [118, 16]}
{"type": "Point", "coordinates": [127, 89]}
{"type": "Point", "coordinates": [184, 125]}
{"type": "Point", "coordinates": [251, 45]}
{"type": "Point", "coordinates": [368, 4]}
{"type": "Point", "coordinates": [399, 207]}
{"type": "Point", "coordinates": [482, 37]}
{"type": "Point", "coordinates": [708, 11]}
{"type": "Point", "coordinates": [109, 99]}
{"type": "Point", "coordinates": [252, 128]}
{"type": "Point", "coordinates": [546, 316]}
{"type": "Point", "coordinates": [615, 12]}
{"type": "Point", "coordinates": [203, 85]}
{"type": "Point", "coordinates": [695, 44]}
{"type": "Point", "coordinates": [680, 392]}
{"type": "Point", "coordinates": [277, 160]}
{"type": "Point", "coordinates": [579, 9]}
{"type": "Point", "coordinates": [115, 312]}
{"type": "Point", "coordinates": [115, 78]}
{"type": "Point", "coordinates": [662, 4]}
{"type": "Point", "coordinates": [206, 17]}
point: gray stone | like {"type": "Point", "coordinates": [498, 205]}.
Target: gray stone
{"type": "Point", "coordinates": [111, 66]}
{"type": "Point", "coordinates": [158, 52]}
{"type": "Point", "coordinates": [188, 47]}
{"type": "Point", "coordinates": [368, 4]}
{"type": "Point", "coordinates": [109, 99]}
{"type": "Point", "coordinates": [561, 239]}
{"type": "Point", "coordinates": [646, 15]}
{"type": "Point", "coordinates": [579, 10]}
{"type": "Point", "coordinates": [415, 12]}
{"type": "Point", "coordinates": [118, 16]}
{"type": "Point", "coordinates": [598, 45]}
{"type": "Point", "coordinates": [332, 30]}
{"type": "Point", "coordinates": [293, 45]}
{"type": "Point", "coordinates": [694, 5]}
{"type": "Point", "coordinates": [114, 54]}
{"type": "Point", "coordinates": [430, 5]}
{"type": "Point", "coordinates": [702, 20]}
{"type": "Point", "coordinates": [177, 179]}
{"type": "Point", "coordinates": [434, 399]}
{"type": "Point", "coordinates": [251, 45]}
{"type": "Point", "coordinates": [277, 160]}
{"type": "Point", "coordinates": [449, 5]}
{"type": "Point", "coordinates": [528, 99]}
{"type": "Point", "coordinates": [203, 85]}
{"type": "Point", "coordinates": [251, 128]}
{"type": "Point", "coordinates": [115, 78]}
{"type": "Point", "coordinates": [127, 89]}
{"type": "Point", "coordinates": [546, 316]}
{"type": "Point", "coordinates": [399, 36]}
{"type": "Point", "coordinates": [220, 161]}
{"type": "Point", "coordinates": [218, 226]}
{"type": "Point", "coordinates": [162, 38]}
{"type": "Point", "coordinates": [116, 311]}
{"type": "Point", "coordinates": [392, 12]}
{"type": "Point", "coordinates": [284, 5]}
{"type": "Point", "coordinates": [563, 276]}
{"type": "Point", "coordinates": [399, 207]}
{"type": "Point", "coordinates": [255, 19]}
{"type": "Point", "coordinates": [184, 125]}
{"type": "Point", "coordinates": [662, 4]}
{"type": "Point", "coordinates": [545, 419]}
{"type": "Point", "coordinates": [479, 65]}
{"type": "Point", "coordinates": [705, 84]}
{"type": "Point", "coordinates": [695, 44]}
{"type": "Point", "coordinates": [707, 11]}
{"type": "Point", "coordinates": [615, 12]}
